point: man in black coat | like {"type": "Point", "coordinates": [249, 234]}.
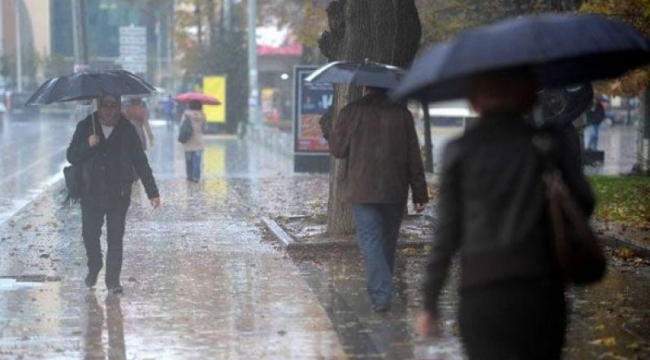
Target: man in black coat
{"type": "Point", "coordinates": [108, 149]}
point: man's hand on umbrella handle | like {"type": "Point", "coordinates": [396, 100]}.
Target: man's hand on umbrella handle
{"type": "Point", "coordinates": [155, 202]}
{"type": "Point", "coordinates": [419, 207]}
{"type": "Point", "coordinates": [93, 140]}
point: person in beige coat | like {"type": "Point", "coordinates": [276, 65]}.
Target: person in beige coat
{"type": "Point", "coordinates": [194, 146]}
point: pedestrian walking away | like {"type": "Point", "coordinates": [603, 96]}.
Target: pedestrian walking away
{"type": "Point", "coordinates": [492, 209]}
{"type": "Point", "coordinates": [379, 140]}
{"type": "Point", "coordinates": [595, 115]}
{"type": "Point", "coordinates": [194, 146]}
{"type": "Point", "coordinates": [107, 147]}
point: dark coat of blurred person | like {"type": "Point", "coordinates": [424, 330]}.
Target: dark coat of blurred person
{"type": "Point", "coordinates": [379, 140]}
{"type": "Point", "coordinates": [107, 147]}
{"type": "Point", "coordinates": [492, 209]}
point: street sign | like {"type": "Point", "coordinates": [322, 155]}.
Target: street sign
{"type": "Point", "coordinates": [133, 48]}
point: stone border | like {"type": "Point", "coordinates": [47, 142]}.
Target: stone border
{"type": "Point", "coordinates": [278, 232]}
{"type": "Point", "coordinates": [288, 242]}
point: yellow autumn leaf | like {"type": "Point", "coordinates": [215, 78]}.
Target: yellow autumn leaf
{"type": "Point", "coordinates": [606, 341]}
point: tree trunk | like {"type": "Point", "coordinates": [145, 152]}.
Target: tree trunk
{"type": "Point", "coordinates": [643, 144]}
{"type": "Point", "coordinates": [386, 31]}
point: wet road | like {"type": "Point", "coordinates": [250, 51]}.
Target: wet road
{"type": "Point", "coordinates": [32, 154]}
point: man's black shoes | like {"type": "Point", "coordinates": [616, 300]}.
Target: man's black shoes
{"type": "Point", "coordinates": [381, 308]}
{"type": "Point", "coordinates": [91, 279]}
{"type": "Point", "coordinates": [118, 290]}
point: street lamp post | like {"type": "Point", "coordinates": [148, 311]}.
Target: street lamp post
{"type": "Point", "coordinates": [19, 48]}
{"type": "Point", "coordinates": [79, 35]}
{"type": "Point", "coordinates": [253, 105]}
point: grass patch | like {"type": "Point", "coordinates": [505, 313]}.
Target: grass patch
{"type": "Point", "coordinates": [624, 200]}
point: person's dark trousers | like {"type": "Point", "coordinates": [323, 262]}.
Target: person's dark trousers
{"type": "Point", "coordinates": [521, 320]}
{"type": "Point", "coordinates": [377, 232]}
{"type": "Point", "coordinates": [93, 212]}
{"type": "Point", "coordinates": [593, 137]}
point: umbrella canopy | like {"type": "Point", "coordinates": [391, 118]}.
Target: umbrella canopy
{"type": "Point", "coordinates": [195, 96]}
{"type": "Point", "coordinates": [366, 73]}
{"type": "Point", "coordinates": [90, 85]}
{"type": "Point", "coordinates": [562, 49]}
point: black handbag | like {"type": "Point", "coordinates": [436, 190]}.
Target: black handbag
{"type": "Point", "coordinates": [186, 130]}
{"type": "Point", "coordinates": [578, 253]}
{"type": "Point", "coordinates": [73, 181]}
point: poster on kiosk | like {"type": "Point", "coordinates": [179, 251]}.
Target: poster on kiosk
{"type": "Point", "coordinates": [311, 102]}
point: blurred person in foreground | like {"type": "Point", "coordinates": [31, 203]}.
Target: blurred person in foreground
{"type": "Point", "coordinates": [137, 113]}
{"type": "Point", "coordinates": [108, 149]}
{"type": "Point", "coordinates": [378, 138]}
{"type": "Point", "coordinates": [493, 210]}
{"type": "Point", "coordinates": [194, 146]}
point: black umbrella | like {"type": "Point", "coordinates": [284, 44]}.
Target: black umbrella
{"type": "Point", "coordinates": [562, 49]}
{"type": "Point", "coordinates": [90, 85]}
{"type": "Point", "coordinates": [364, 73]}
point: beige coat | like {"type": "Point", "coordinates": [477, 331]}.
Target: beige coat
{"type": "Point", "coordinates": [198, 120]}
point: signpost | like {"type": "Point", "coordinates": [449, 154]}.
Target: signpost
{"type": "Point", "coordinates": [133, 49]}
{"type": "Point", "coordinates": [311, 102]}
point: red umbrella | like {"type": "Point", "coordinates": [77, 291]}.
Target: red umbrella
{"type": "Point", "coordinates": [195, 96]}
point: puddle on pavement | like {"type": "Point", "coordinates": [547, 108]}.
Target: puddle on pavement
{"type": "Point", "coordinates": [19, 282]}
{"type": "Point", "coordinates": [448, 348]}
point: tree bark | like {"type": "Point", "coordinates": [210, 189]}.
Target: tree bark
{"type": "Point", "coordinates": [386, 31]}
{"type": "Point", "coordinates": [643, 143]}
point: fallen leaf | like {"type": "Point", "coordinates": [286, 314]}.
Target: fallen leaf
{"type": "Point", "coordinates": [607, 341]}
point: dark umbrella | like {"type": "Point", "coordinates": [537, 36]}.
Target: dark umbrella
{"type": "Point", "coordinates": [90, 85]}
{"type": "Point", "coordinates": [364, 73]}
{"type": "Point", "coordinates": [562, 49]}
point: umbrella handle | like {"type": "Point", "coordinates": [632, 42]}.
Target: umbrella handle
{"type": "Point", "coordinates": [93, 117]}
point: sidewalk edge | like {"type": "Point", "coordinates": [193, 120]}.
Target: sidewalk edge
{"type": "Point", "coordinates": [278, 232]}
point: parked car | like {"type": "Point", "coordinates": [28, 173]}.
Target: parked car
{"type": "Point", "coordinates": [16, 109]}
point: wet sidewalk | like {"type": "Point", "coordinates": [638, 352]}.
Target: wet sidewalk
{"type": "Point", "coordinates": [199, 281]}
{"type": "Point", "coordinates": [608, 321]}
{"type": "Point", "coordinates": [204, 280]}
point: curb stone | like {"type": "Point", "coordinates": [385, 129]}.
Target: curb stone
{"type": "Point", "coordinates": [289, 243]}
{"type": "Point", "coordinates": [278, 232]}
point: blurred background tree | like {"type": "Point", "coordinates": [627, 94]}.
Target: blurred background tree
{"type": "Point", "coordinates": [442, 19]}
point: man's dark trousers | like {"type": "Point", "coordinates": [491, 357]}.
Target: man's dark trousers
{"type": "Point", "coordinates": [93, 211]}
